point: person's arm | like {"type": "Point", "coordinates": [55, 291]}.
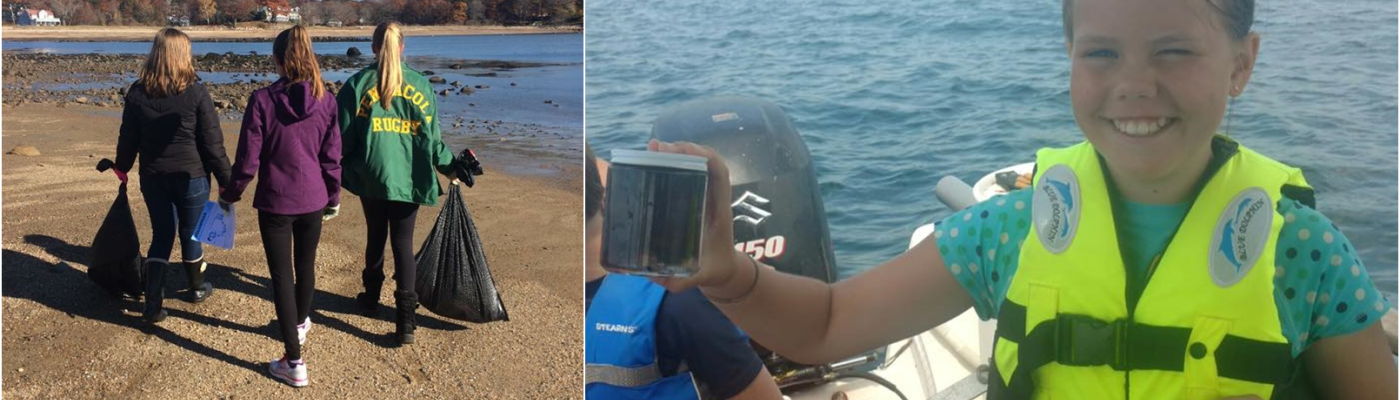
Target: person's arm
{"type": "Point", "coordinates": [690, 331]}
{"type": "Point", "coordinates": [249, 155]}
{"type": "Point", "coordinates": [761, 388]}
{"type": "Point", "coordinates": [347, 106]}
{"type": "Point", "coordinates": [1345, 351]}
{"type": "Point", "coordinates": [1353, 366]}
{"type": "Point", "coordinates": [209, 137]}
{"type": "Point", "coordinates": [128, 137]}
{"type": "Point", "coordinates": [807, 320]}
{"type": "Point", "coordinates": [329, 156]}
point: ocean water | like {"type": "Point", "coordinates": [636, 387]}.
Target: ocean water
{"type": "Point", "coordinates": [558, 48]}
{"type": "Point", "coordinates": [891, 96]}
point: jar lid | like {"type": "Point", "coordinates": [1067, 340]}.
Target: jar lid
{"type": "Point", "coordinates": [658, 159]}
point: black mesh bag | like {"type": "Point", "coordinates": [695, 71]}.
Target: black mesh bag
{"type": "Point", "coordinates": [453, 278]}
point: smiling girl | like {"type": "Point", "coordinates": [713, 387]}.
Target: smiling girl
{"type": "Point", "coordinates": [1156, 259]}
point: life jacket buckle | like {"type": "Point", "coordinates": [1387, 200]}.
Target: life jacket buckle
{"type": "Point", "coordinates": [1087, 341]}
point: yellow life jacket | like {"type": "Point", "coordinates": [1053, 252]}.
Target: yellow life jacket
{"type": "Point", "coordinates": [1206, 325]}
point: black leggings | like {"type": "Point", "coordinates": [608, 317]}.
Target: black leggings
{"type": "Point", "coordinates": [392, 221]}
{"type": "Point", "coordinates": [279, 234]}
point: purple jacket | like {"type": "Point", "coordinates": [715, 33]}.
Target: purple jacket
{"type": "Point", "coordinates": [291, 140]}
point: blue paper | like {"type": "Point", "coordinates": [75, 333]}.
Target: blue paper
{"type": "Point", "coordinates": [215, 226]}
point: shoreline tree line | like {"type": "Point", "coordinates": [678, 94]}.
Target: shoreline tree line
{"type": "Point", "coordinates": [343, 12]}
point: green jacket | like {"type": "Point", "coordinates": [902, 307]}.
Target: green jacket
{"type": "Point", "coordinates": [391, 154]}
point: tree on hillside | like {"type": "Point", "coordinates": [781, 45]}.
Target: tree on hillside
{"type": "Point", "coordinates": [84, 15]}
{"type": "Point", "coordinates": [369, 11]}
{"type": "Point", "coordinates": [203, 9]}
{"type": "Point", "coordinates": [517, 10]}
{"type": "Point", "coordinates": [237, 10]}
{"type": "Point", "coordinates": [64, 9]}
{"type": "Point", "coordinates": [345, 12]}
{"type": "Point", "coordinates": [476, 11]}
{"type": "Point", "coordinates": [376, 11]}
{"type": "Point", "coordinates": [275, 4]}
{"type": "Point", "coordinates": [459, 12]}
{"type": "Point", "coordinates": [145, 12]}
{"type": "Point", "coordinates": [427, 12]}
{"type": "Point", "coordinates": [316, 13]}
{"type": "Point", "coordinates": [177, 9]}
{"type": "Point", "coordinates": [109, 12]}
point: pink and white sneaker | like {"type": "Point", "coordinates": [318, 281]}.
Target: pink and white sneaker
{"type": "Point", "coordinates": [302, 329]}
{"type": "Point", "coordinates": [287, 371]}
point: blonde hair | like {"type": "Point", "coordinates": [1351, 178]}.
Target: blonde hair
{"type": "Point", "coordinates": [292, 50]}
{"type": "Point", "coordinates": [386, 45]}
{"type": "Point", "coordinates": [168, 70]}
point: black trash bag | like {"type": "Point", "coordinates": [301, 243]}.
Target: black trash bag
{"type": "Point", "coordinates": [116, 250]}
{"type": "Point", "coordinates": [453, 278]}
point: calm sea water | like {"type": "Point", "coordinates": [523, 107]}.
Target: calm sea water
{"type": "Point", "coordinates": [891, 96]}
{"type": "Point", "coordinates": [560, 82]}
{"type": "Point", "coordinates": [560, 48]}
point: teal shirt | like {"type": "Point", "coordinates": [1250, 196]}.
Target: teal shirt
{"type": "Point", "coordinates": [1145, 231]}
{"type": "Point", "coordinates": [1320, 286]}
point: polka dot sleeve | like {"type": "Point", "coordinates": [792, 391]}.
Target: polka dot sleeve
{"type": "Point", "coordinates": [981, 244]}
{"type": "Point", "coordinates": [1325, 289]}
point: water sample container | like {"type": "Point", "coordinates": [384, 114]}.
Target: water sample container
{"type": "Point", "coordinates": [654, 213]}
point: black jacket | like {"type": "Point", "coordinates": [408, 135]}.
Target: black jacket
{"type": "Point", "coordinates": [176, 135]}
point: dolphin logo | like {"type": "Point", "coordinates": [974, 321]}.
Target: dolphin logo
{"type": "Point", "coordinates": [1227, 239]}
{"type": "Point", "coordinates": [1243, 205]}
{"type": "Point", "coordinates": [1063, 189]}
{"type": "Point", "coordinates": [1226, 244]}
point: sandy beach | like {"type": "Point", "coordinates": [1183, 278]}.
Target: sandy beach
{"type": "Point", "coordinates": [65, 338]}
{"type": "Point", "coordinates": [252, 31]}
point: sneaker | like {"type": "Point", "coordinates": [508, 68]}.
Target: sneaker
{"type": "Point", "coordinates": [294, 375]}
{"type": "Point", "coordinates": [302, 329]}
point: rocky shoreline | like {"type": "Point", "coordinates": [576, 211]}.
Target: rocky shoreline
{"type": "Point", "coordinates": [26, 74]}
{"type": "Point", "coordinates": [364, 38]}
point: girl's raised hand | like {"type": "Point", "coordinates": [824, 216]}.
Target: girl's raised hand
{"type": "Point", "coordinates": [719, 262]}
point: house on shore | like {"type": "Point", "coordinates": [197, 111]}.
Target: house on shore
{"type": "Point", "coordinates": [41, 17]}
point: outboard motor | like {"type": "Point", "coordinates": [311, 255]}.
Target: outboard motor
{"type": "Point", "coordinates": [778, 214]}
{"type": "Point", "coordinates": [779, 218]}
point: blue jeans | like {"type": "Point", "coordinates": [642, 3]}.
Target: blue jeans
{"type": "Point", "coordinates": [174, 203]}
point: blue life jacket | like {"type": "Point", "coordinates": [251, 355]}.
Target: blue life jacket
{"type": "Point", "coordinates": [620, 344]}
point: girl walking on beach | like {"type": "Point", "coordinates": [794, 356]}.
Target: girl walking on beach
{"type": "Point", "coordinates": [392, 146]}
{"type": "Point", "coordinates": [170, 121]}
{"type": "Point", "coordinates": [291, 141]}
{"type": "Point", "coordinates": [1156, 259]}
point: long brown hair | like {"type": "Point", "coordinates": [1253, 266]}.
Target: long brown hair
{"type": "Point", "coordinates": [292, 51]}
{"type": "Point", "coordinates": [386, 44]}
{"type": "Point", "coordinates": [168, 70]}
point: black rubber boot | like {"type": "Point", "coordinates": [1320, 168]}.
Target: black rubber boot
{"type": "Point", "coordinates": [155, 291]}
{"type": "Point", "coordinates": [199, 289]}
{"type": "Point", "coordinates": [368, 300]}
{"type": "Point", "coordinates": [407, 320]}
